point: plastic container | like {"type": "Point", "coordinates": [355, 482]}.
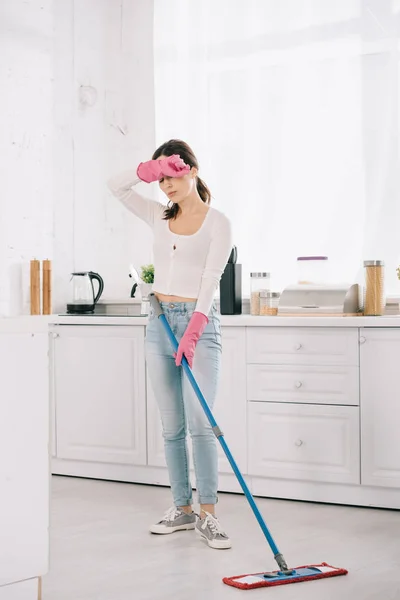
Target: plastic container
{"type": "Point", "coordinates": [312, 269]}
{"type": "Point", "coordinates": [145, 291]}
{"type": "Point", "coordinates": [259, 282]}
{"type": "Point", "coordinates": [374, 291]}
{"type": "Point", "coordinates": [269, 302]}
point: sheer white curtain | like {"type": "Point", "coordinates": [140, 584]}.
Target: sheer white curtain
{"type": "Point", "coordinates": [292, 107]}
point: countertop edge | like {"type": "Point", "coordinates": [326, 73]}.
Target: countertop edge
{"type": "Point", "coordinates": [41, 324]}
{"type": "Point", "coordinates": [244, 321]}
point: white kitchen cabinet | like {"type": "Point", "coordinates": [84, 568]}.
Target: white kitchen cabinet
{"type": "Point", "coordinates": [53, 426]}
{"type": "Point", "coordinates": [155, 440]}
{"type": "Point", "coordinates": [309, 412]}
{"type": "Point", "coordinates": [303, 384]}
{"type": "Point", "coordinates": [304, 442]}
{"type": "Point", "coordinates": [302, 345]}
{"type": "Point", "coordinates": [24, 464]}
{"type": "Point", "coordinates": [100, 393]}
{"type": "Point", "coordinates": [380, 406]}
{"type": "Point", "coordinates": [229, 410]}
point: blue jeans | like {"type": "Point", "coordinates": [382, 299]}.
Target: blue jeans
{"type": "Point", "coordinates": [179, 407]}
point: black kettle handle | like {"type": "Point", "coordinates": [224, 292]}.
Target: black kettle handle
{"type": "Point", "coordinates": [100, 281]}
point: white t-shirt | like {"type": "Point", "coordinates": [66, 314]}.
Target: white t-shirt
{"type": "Point", "coordinates": [195, 267]}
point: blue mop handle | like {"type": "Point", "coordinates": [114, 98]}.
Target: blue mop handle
{"type": "Point", "coordinates": [159, 313]}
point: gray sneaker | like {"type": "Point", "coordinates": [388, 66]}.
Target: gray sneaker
{"type": "Point", "coordinates": [175, 519]}
{"type": "Point", "coordinates": [210, 530]}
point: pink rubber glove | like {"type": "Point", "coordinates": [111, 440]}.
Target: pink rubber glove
{"type": "Point", "coordinates": [188, 342]}
{"type": "Point", "coordinates": [154, 170]}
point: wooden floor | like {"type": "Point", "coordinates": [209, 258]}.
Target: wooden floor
{"type": "Point", "coordinates": [101, 548]}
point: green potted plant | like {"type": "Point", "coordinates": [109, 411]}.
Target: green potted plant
{"type": "Point", "coordinates": [147, 273]}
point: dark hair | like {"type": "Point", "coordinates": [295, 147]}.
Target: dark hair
{"type": "Point", "coordinates": [187, 155]}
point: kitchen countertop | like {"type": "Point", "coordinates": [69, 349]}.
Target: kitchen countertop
{"type": "Point", "coordinates": [242, 321]}
{"type": "Point", "coordinates": [26, 324]}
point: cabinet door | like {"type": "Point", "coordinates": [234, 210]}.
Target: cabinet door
{"type": "Point", "coordinates": [99, 387]}
{"type": "Point", "coordinates": [305, 442]}
{"type": "Point", "coordinates": [229, 410]}
{"type": "Point", "coordinates": [380, 406]}
{"type": "Point", "coordinates": [155, 440]}
{"type": "Point", "coordinates": [53, 425]}
{"type": "Point", "coordinates": [24, 464]}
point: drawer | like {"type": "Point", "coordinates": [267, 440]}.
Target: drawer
{"type": "Point", "coordinates": [303, 442]}
{"type": "Point", "coordinates": [302, 384]}
{"type": "Point", "coordinates": [302, 346]}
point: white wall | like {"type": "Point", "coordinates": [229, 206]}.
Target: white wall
{"type": "Point", "coordinates": [103, 53]}
{"type": "Point", "coordinates": [60, 150]}
{"type": "Point", "coordinates": [26, 201]}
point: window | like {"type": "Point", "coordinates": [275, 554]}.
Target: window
{"type": "Point", "coordinates": [292, 107]}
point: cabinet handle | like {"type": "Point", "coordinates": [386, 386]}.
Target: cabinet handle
{"type": "Point", "coordinates": [298, 347]}
{"type": "Point", "coordinates": [55, 335]}
{"type": "Point", "coordinates": [298, 384]}
{"type": "Point", "coordinates": [299, 443]}
{"type": "Point", "coordinates": [362, 339]}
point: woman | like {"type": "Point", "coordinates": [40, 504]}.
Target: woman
{"type": "Point", "coordinates": [192, 243]}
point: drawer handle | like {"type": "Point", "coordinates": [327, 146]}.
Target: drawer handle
{"type": "Point", "coordinates": [299, 443]}
{"type": "Point", "coordinates": [298, 347]}
{"type": "Point", "coordinates": [298, 384]}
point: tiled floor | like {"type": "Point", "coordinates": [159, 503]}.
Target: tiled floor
{"type": "Point", "coordinates": [101, 548]}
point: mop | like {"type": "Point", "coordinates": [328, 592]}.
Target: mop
{"type": "Point", "coordinates": [284, 574]}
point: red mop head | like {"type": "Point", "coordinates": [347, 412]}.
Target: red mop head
{"type": "Point", "coordinates": [307, 573]}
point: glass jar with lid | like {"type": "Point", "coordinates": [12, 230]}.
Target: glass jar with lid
{"type": "Point", "coordinates": [312, 269]}
{"type": "Point", "coordinates": [269, 302]}
{"type": "Point", "coordinates": [259, 282]}
{"type": "Point", "coordinates": [374, 291]}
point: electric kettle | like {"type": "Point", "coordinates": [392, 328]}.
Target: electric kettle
{"type": "Point", "coordinates": [83, 297]}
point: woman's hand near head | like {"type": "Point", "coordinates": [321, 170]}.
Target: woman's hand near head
{"type": "Point", "coordinates": [169, 166]}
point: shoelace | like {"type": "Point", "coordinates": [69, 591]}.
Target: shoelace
{"type": "Point", "coordinates": [213, 524]}
{"type": "Point", "coordinates": [171, 514]}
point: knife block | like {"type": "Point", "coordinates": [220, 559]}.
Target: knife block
{"type": "Point", "coordinates": [230, 290]}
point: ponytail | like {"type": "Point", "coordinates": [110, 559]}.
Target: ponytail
{"type": "Point", "coordinates": [203, 190]}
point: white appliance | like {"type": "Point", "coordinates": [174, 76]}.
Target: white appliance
{"type": "Point", "coordinates": [309, 299]}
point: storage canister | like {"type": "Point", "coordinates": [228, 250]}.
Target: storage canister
{"type": "Point", "coordinates": [312, 269]}
{"type": "Point", "coordinates": [269, 302]}
{"type": "Point", "coordinates": [259, 282]}
{"type": "Point", "coordinates": [374, 290]}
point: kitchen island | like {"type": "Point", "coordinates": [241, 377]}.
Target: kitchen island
{"type": "Point", "coordinates": [25, 465]}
